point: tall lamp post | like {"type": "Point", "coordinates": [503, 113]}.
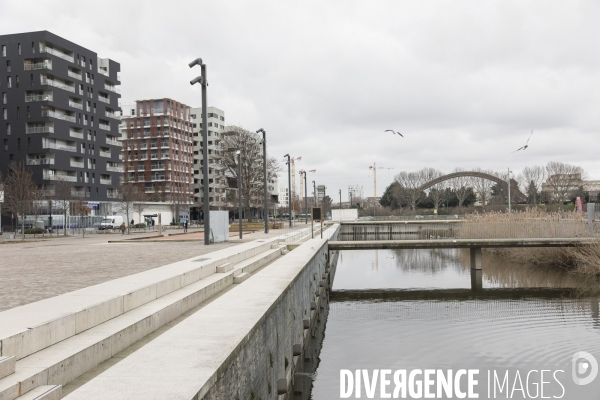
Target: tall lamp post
{"type": "Point", "coordinates": [266, 207]}
{"type": "Point", "coordinates": [340, 199]}
{"type": "Point", "coordinates": [509, 171]}
{"type": "Point", "coordinates": [305, 192]}
{"type": "Point", "coordinates": [206, 207]}
{"type": "Point", "coordinates": [289, 190]}
{"type": "Point", "coordinates": [315, 193]}
{"type": "Point", "coordinates": [351, 200]}
{"type": "Point", "coordinates": [239, 162]}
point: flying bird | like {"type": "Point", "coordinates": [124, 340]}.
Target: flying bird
{"type": "Point", "coordinates": [526, 144]}
{"type": "Point", "coordinates": [389, 130]}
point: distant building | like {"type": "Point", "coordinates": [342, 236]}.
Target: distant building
{"type": "Point", "coordinates": [355, 192]}
{"type": "Point", "coordinates": [216, 174]}
{"type": "Point", "coordinates": [158, 149]}
{"type": "Point", "coordinates": [284, 197]}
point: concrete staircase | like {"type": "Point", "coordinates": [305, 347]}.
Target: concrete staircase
{"type": "Point", "coordinates": [47, 344]}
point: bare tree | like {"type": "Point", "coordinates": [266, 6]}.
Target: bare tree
{"type": "Point", "coordinates": [461, 186]}
{"type": "Point", "coordinates": [483, 187]}
{"type": "Point", "coordinates": [563, 179]}
{"type": "Point", "coordinates": [250, 145]}
{"type": "Point", "coordinates": [533, 177]}
{"type": "Point", "coordinates": [128, 196]}
{"type": "Point", "coordinates": [63, 194]}
{"type": "Point", "coordinates": [408, 189]}
{"type": "Point", "coordinates": [19, 191]}
{"type": "Point", "coordinates": [140, 205]}
{"type": "Point", "coordinates": [81, 208]}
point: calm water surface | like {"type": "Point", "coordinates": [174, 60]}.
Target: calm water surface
{"type": "Point", "coordinates": [416, 309]}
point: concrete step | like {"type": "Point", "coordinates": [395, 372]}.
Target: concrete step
{"type": "Point", "coordinates": [30, 328]}
{"type": "Point", "coordinates": [7, 366]}
{"type": "Point", "coordinates": [241, 277]}
{"type": "Point", "coordinates": [46, 392]}
{"type": "Point", "coordinates": [224, 268]}
{"type": "Point", "coordinates": [64, 361]}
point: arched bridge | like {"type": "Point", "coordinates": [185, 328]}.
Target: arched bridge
{"type": "Point", "coordinates": [474, 174]}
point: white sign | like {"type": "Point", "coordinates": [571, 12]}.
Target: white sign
{"type": "Point", "coordinates": [1, 196]}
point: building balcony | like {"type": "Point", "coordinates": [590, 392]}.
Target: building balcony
{"type": "Point", "coordinates": [76, 164]}
{"type": "Point", "coordinates": [114, 142]}
{"type": "Point", "coordinates": [53, 114]}
{"type": "Point", "coordinates": [74, 75]}
{"type": "Point", "coordinates": [37, 97]}
{"type": "Point", "coordinates": [39, 129]}
{"type": "Point", "coordinates": [114, 169]}
{"type": "Point", "coordinates": [58, 146]}
{"type": "Point", "coordinates": [78, 106]}
{"type": "Point", "coordinates": [104, 126]}
{"type": "Point", "coordinates": [54, 52]}
{"type": "Point", "coordinates": [105, 181]}
{"type": "Point", "coordinates": [104, 154]}
{"type": "Point", "coordinates": [104, 99]}
{"type": "Point", "coordinates": [29, 66]}
{"type": "Point", "coordinates": [75, 134]}
{"type": "Point", "coordinates": [111, 115]}
{"type": "Point", "coordinates": [67, 178]}
{"type": "Point", "coordinates": [102, 71]}
{"type": "Point", "coordinates": [56, 84]}
{"type": "Point", "coordinates": [40, 161]}
{"type": "Point", "coordinates": [112, 88]}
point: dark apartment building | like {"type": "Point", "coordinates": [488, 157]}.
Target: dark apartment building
{"type": "Point", "coordinates": [158, 149]}
{"type": "Point", "coordinates": [60, 107]}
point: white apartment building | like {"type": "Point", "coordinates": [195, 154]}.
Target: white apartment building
{"type": "Point", "coordinates": [284, 197]}
{"type": "Point", "coordinates": [216, 178]}
{"type": "Point", "coordinates": [355, 192]}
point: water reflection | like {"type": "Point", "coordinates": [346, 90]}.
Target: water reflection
{"type": "Point", "coordinates": [407, 309]}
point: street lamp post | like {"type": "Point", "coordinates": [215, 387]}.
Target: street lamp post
{"type": "Point", "coordinates": [315, 193]}
{"type": "Point", "coordinates": [266, 207]}
{"type": "Point", "coordinates": [351, 200]}
{"type": "Point", "coordinates": [509, 190]}
{"type": "Point", "coordinates": [305, 192]}
{"type": "Point", "coordinates": [289, 190]}
{"type": "Point", "coordinates": [206, 207]}
{"type": "Point", "coordinates": [340, 199]}
{"type": "Point", "coordinates": [239, 160]}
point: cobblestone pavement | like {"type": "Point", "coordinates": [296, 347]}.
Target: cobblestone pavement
{"type": "Point", "coordinates": [36, 270]}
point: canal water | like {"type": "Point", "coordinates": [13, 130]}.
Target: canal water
{"type": "Point", "coordinates": [520, 331]}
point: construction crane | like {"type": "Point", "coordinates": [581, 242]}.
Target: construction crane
{"type": "Point", "coordinates": [374, 168]}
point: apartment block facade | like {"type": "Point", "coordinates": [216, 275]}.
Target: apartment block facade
{"type": "Point", "coordinates": [60, 106]}
{"type": "Point", "coordinates": [216, 177]}
{"type": "Point", "coordinates": [158, 149]}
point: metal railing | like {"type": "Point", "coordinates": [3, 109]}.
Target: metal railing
{"type": "Point", "coordinates": [114, 142]}
{"type": "Point", "coordinates": [36, 66]}
{"type": "Point", "coordinates": [59, 147]}
{"type": "Point", "coordinates": [114, 169]}
{"type": "Point", "coordinates": [105, 181]}
{"type": "Point", "coordinates": [50, 82]}
{"type": "Point", "coordinates": [112, 88]}
{"type": "Point", "coordinates": [53, 114]}
{"type": "Point", "coordinates": [49, 50]}
{"type": "Point", "coordinates": [102, 71]}
{"type": "Point", "coordinates": [105, 154]}
{"type": "Point", "coordinates": [74, 75]}
{"type": "Point", "coordinates": [40, 161]}
{"type": "Point", "coordinates": [77, 135]}
{"type": "Point", "coordinates": [76, 164]}
{"type": "Point", "coordinates": [104, 126]}
{"type": "Point", "coordinates": [39, 97]}
{"type": "Point", "coordinates": [79, 106]}
{"type": "Point", "coordinates": [67, 178]}
{"type": "Point", "coordinates": [40, 129]}
{"type": "Point", "coordinates": [104, 99]}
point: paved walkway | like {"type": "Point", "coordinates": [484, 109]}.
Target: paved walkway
{"type": "Point", "coordinates": [36, 270]}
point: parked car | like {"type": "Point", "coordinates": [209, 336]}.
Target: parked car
{"type": "Point", "coordinates": [112, 222]}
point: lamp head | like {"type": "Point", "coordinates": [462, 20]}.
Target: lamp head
{"type": "Point", "coordinates": [287, 155]}
{"type": "Point", "coordinates": [197, 61]}
{"type": "Point", "coordinates": [197, 79]}
{"type": "Point", "coordinates": [261, 130]}
{"type": "Point", "coordinates": [238, 152]}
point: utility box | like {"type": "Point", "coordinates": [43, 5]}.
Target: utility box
{"type": "Point", "coordinates": [219, 226]}
{"type": "Point", "coordinates": [350, 214]}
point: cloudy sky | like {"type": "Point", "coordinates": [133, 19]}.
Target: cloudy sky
{"type": "Point", "coordinates": [464, 81]}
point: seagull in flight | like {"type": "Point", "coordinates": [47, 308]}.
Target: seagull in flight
{"type": "Point", "coordinates": [389, 130]}
{"type": "Point", "coordinates": [526, 144]}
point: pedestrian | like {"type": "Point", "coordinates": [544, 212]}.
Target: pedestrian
{"type": "Point", "coordinates": [132, 222]}
{"type": "Point", "coordinates": [185, 226]}
{"type": "Point", "coordinates": [122, 228]}
{"type": "Point", "coordinates": [153, 223]}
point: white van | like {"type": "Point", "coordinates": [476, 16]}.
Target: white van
{"type": "Point", "coordinates": [112, 222]}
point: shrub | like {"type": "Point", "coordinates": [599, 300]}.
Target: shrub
{"type": "Point", "coordinates": [34, 230]}
{"type": "Point", "coordinates": [139, 225]}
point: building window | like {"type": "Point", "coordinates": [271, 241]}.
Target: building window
{"type": "Point", "coordinates": [8, 68]}
{"type": "Point", "coordinates": [18, 112]}
{"type": "Point", "coordinates": [8, 82]}
{"type": "Point", "coordinates": [31, 79]}
{"type": "Point", "coordinates": [11, 157]}
{"type": "Point", "coordinates": [8, 132]}
{"type": "Point", "coordinates": [19, 46]}
{"type": "Point", "coordinates": [4, 99]}
{"type": "Point", "coordinates": [28, 112]}
{"type": "Point", "coordinates": [5, 144]}
{"type": "Point", "coordinates": [3, 50]}
{"type": "Point", "coordinates": [5, 114]}
{"type": "Point", "coordinates": [28, 143]}
{"type": "Point", "coordinates": [32, 47]}
{"type": "Point", "coordinates": [18, 144]}
{"type": "Point", "coordinates": [17, 80]}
